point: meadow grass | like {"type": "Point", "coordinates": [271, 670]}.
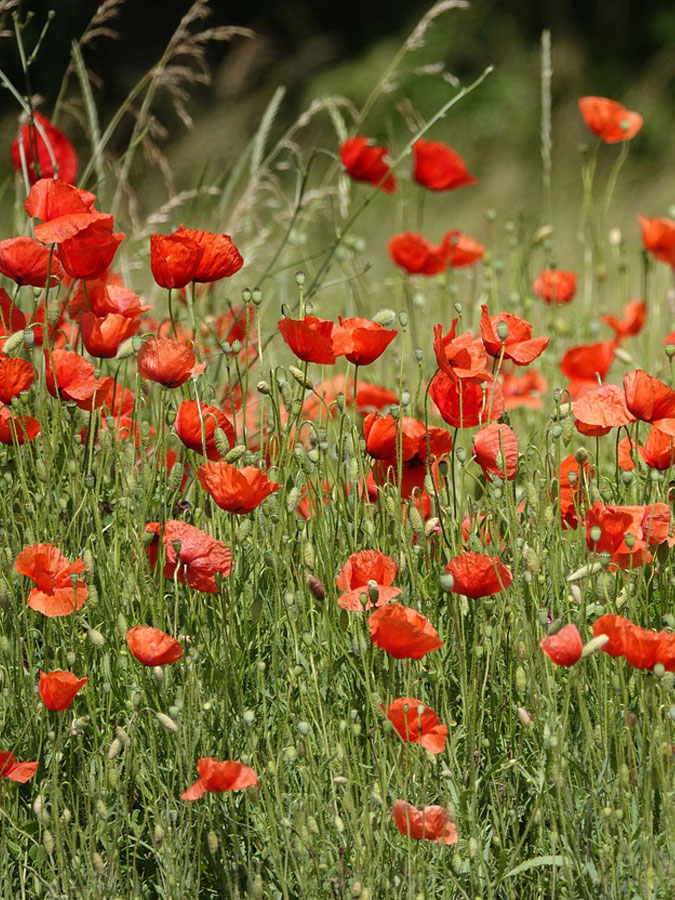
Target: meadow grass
{"type": "Point", "coordinates": [559, 780]}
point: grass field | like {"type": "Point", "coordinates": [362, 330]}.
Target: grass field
{"type": "Point", "coordinates": [270, 575]}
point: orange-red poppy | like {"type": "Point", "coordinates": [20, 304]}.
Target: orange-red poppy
{"type": "Point", "coordinates": [102, 335]}
{"type": "Point", "coordinates": [369, 397]}
{"type": "Point", "coordinates": [89, 252]}
{"type": "Point", "coordinates": [417, 723]}
{"type": "Point", "coordinates": [57, 689]}
{"type": "Point", "coordinates": [496, 450]}
{"type": "Point", "coordinates": [72, 377]}
{"type": "Point", "coordinates": [438, 167]}
{"type": "Point", "coordinates": [174, 258]}
{"type": "Point", "coordinates": [55, 592]}
{"type": "Point", "coordinates": [519, 346]}
{"type": "Point", "coordinates": [417, 255]}
{"type": "Point", "coordinates": [583, 365]}
{"type": "Point", "coordinates": [196, 425]}
{"type": "Point", "coordinates": [51, 156]}
{"type": "Point", "coordinates": [153, 647]}
{"type": "Point", "coordinates": [103, 299]}
{"type": "Point", "coordinates": [21, 772]}
{"type": "Point", "coordinates": [17, 428]}
{"type": "Point", "coordinates": [523, 390]}
{"type": "Point", "coordinates": [402, 632]}
{"type": "Point", "coordinates": [609, 119]}
{"type": "Point", "coordinates": [634, 313]}
{"type": "Point", "coordinates": [641, 647]}
{"type": "Point", "coordinates": [361, 341]}
{"type": "Point", "coordinates": [236, 490]}
{"type": "Point", "coordinates": [462, 250]}
{"type": "Point", "coordinates": [555, 285]}
{"type": "Point", "coordinates": [658, 236]}
{"type": "Point", "coordinates": [467, 403]}
{"type": "Point", "coordinates": [168, 362]}
{"type": "Point", "coordinates": [193, 556]}
{"type": "Point", "coordinates": [27, 261]}
{"type": "Point", "coordinates": [478, 575]}
{"type": "Point", "coordinates": [564, 647]}
{"type": "Point", "coordinates": [600, 409]}
{"type": "Point", "coordinates": [364, 161]}
{"type": "Point", "coordinates": [217, 777]}
{"type": "Point", "coordinates": [360, 569]}
{"type": "Point", "coordinates": [460, 356]}
{"type": "Point", "coordinates": [51, 199]}
{"type": "Point", "coordinates": [16, 375]}
{"type": "Point", "coordinates": [219, 258]}
{"type": "Point", "coordinates": [658, 451]}
{"type": "Point", "coordinates": [311, 339]}
{"type": "Point", "coordinates": [11, 317]}
{"type": "Point", "coordinates": [431, 823]}
{"type": "Point", "coordinates": [647, 526]}
{"type": "Point", "coordinates": [650, 400]}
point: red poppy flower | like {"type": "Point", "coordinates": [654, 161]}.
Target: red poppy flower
{"type": "Point", "coordinates": [647, 525]}
{"type": "Point", "coordinates": [26, 261]}
{"type": "Point", "coordinates": [16, 375]}
{"type": "Point", "coordinates": [477, 575]}
{"type": "Point", "coordinates": [235, 324]}
{"type": "Point", "coordinates": [467, 403]}
{"type": "Point", "coordinates": [658, 236]}
{"type": "Point", "coordinates": [658, 451]}
{"type": "Point", "coordinates": [460, 356]}
{"type": "Point", "coordinates": [236, 490]}
{"type": "Point", "coordinates": [104, 299]}
{"type": "Point", "coordinates": [496, 450]}
{"type": "Point", "coordinates": [51, 156]}
{"type": "Point", "coordinates": [601, 409]}
{"type": "Point", "coordinates": [585, 363]}
{"type": "Point", "coordinates": [188, 426]}
{"type": "Point", "coordinates": [431, 823]}
{"type": "Point", "coordinates": [417, 727]}
{"type": "Point", "coordinates": [369, 397]}
{"type": "Point", "coordinates": [462, 250]}
{"type": "Point", "coordinates": [573, 482]}
{"type": "Point", "coordinates": [641, 647]}
{"type": "Point", "coordinates": [196, 555]}
{"type": "Point", "coordinates": [219, 257]}
{"type": "Point", "coordinates": [153, 647]}
{"type": "Point", "coordinates": [361, 341]}
{"type": "Point", "coordinates": [519, 346]}
{"type": "Point", "coordinates": [417, 255]}
{"type": "Point", "coordinates": [311, 339]}
{"type": "Point", "coordinates": [438, 167]}
{"type": "Point", "coordinates": [167, 362]}
{"type": "Point", "coordinates": [50, 199]}
{"type": "Point", "coordinates": [91, 250]}
{"type": "Point", "coordinates": [17, 428]}
{"type": "Point", "coordinates": [174, 258]}
{"type": "Point", "coordinates": [633, 319]}
{"type": "Point", "coordinates": [54, 593]}
{"type": "Point", "coordinates": [217, 777]}
{"type": "Point", "coordinates": [360, 569]}
{"type": "Point", "coordinates": [650, 400]}
{"type": "Point", "coordinates": [364, 161]}
{"type": "Point", "coordinates": [523, 390]}
{"type": "Point", "coordinates": [58, 689]}
{"type": "Point", "coordinates": [102, 336]}
{"type": "Point", "coordinates": [71, 377]}
{"type": "Point", "coordinates": [11, 317]}
{"type": "Point", "coordinates": [555, 286]}
{"type": "Point", "coordinates": [21, 772]}
{"type": "Point", "coordinates": [564, 647]}
{"type": "Point", "coordinates": [402, 632]}
{"type": "Point", "coordinates": [610, 120]}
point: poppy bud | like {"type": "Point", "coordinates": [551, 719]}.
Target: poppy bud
{"type": "Point", "coordinates": [98, 864]}
{"type": "Point", "coordinates": [524, 717]}
{"type": "Point", "coordinates": [48, 842]}
{"type": "Point", "coordinates": [256, 888]}
{"type": "Point", "coordinates": [384, 317]}
{"type": "Point", "coordinates": [15, 340]}
{"type": "Point", "coordinates": [114, 748]}
{"type": "Point", "coordinates": [166, 722]}
{"type": "Point", "coordinates": [95, 637]}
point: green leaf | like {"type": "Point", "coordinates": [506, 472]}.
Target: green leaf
{"type": "Point", "coordinates": [535, 862]}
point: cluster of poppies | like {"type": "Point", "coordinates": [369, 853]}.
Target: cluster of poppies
{"type": "Point", "coordinates": [87, 308]}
